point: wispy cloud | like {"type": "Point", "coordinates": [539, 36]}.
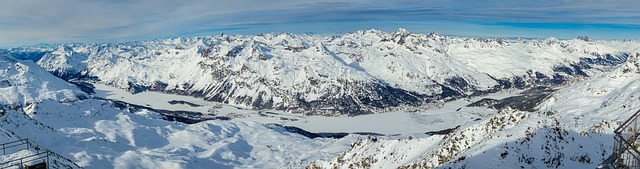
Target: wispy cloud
{"type": "Point", "coordinates": [33, 21]}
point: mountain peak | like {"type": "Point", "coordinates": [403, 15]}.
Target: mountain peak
{"type": "Point", "coordinates": [552, 39]}
{"type": "Point", "coordinates": [6, 56]}
{"type": "Point", "coordinates": [64, 48]}
{"type": "Point", "coordinates": [584, 38]}
{"type": "Point", "coordinates": [402, 31]}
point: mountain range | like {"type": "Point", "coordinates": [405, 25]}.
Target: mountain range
{"type": "Point", "coordinates": [352, 74]}
{"type": "Point", "coordinates": [560, 100]}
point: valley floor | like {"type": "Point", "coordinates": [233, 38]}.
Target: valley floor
{"type": "Point", "coordinates": [445, 116]}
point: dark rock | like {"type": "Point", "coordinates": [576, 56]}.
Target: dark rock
{"type": "Point", "coordinates": [443, 132]}
{"type": "Point", "coordinates": [527, 100]}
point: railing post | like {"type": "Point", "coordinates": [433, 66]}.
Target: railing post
{"type": "Point", "coordinates": [47, 163]}
{"type": "Point", "coordinates": [619, 151]}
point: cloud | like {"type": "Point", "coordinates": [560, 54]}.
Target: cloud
{"type": "Point", "coordinates": [35, 21]}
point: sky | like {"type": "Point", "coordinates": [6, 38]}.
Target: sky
{"type": "Point", "coordinates": [30, 22]}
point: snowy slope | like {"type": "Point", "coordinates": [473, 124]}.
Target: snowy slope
{"type": "Point", "coordinates": [96, 134]}
{"type": "Point", "coordinates": [351, 74]}
{"type": "Point", "coordinates": [573, 129]}
{"type": "Point", "coordinates": [511, 139]}
{"type": "Point", "coordinates": [33, 53]}
{"type": "Point", "coordinates": [609, 96]}
{"type": "Point", "coordinates": [22, 82]}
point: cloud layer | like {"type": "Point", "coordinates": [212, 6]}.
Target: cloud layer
{"type": "Point", "coordinates": [25, 22]}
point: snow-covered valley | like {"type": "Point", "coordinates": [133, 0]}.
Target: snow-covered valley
{"type": "Point", "coordinates": [449, 115]}
{"type": "Point", "coordinates": [395, 99]}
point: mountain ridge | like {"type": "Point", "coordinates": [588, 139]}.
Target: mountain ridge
{"type": "Point", "coordinates": [362, 72]}
{"type": "Point", "coordinates": [351, 74]}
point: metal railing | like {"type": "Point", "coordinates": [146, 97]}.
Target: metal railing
{"type": "Point", "coordinates": [14, 145]}
{"type": "Point", "coordinates": [42, 155]}
{"type": "Point", "coordinates": [625, 153]}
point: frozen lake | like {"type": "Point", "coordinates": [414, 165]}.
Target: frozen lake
{"type": "Point", "coordinates": [449, 115]}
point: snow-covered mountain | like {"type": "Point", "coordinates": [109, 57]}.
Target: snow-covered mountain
{"type": "Point", "coordinates": [351, 74]}
{"type": "Point", "coordinates": [573, 93]}
{"type": "Point", "coordinates": [23, 82]}
{"type": "Point", "coordinates": [95, 133]}
{"type": "Point", "coordinates": [572, 129]}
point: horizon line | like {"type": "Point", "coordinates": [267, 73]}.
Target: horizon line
{"type": "Point", "coordinates": [52, 44]}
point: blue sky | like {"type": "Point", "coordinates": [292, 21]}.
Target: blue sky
{"type": "Point", "coordinates": [28, 22]}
